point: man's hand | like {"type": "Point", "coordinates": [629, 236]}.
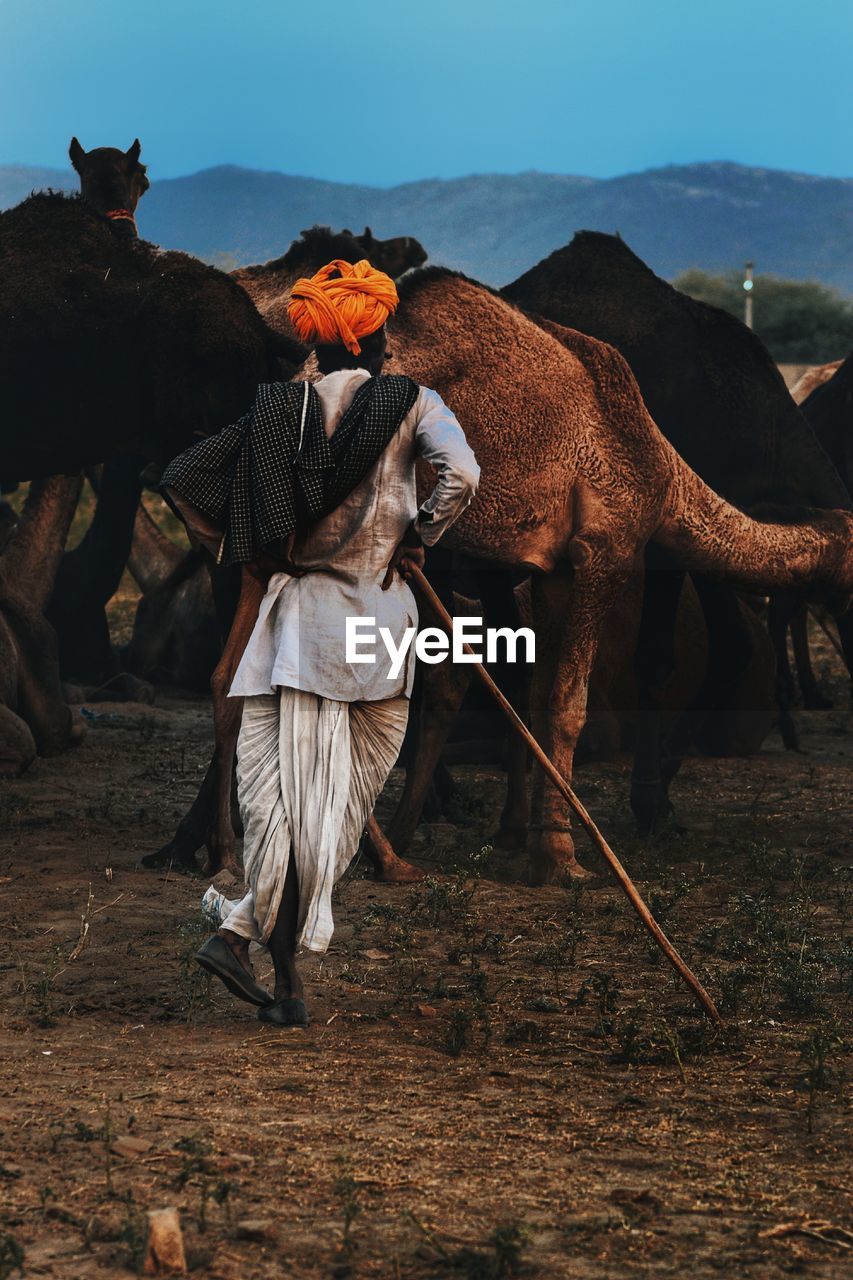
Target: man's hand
{"type": "Point", "coordinates": [410, 550]}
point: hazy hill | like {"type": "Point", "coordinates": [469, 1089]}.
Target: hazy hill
{"type": "Point", "coordinates": [495, 226]}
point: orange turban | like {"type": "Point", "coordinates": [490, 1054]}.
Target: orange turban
{"type": "Point", "coordinates": [354, 304]}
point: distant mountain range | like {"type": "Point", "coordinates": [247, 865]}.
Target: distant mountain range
{"type": "Point", "coordinates": [494, 226]}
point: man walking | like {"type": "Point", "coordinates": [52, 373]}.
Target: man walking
{"type": "Point", "coordinates": [319, 736]}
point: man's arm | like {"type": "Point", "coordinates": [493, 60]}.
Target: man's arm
{"type": "Point", "coordinates": [440, 441]}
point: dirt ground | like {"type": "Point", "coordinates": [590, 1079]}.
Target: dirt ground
{"type": "Point", "coordinates": [498, 1080]}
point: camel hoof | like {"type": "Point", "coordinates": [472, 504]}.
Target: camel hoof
{"type": "Point", "coordinates": [399, 872]}
{"type": "Point", "coordinates": [171, 856]}
{"type": "Point", "coordinates": [213, 865]}
{"type": "Point", "coordinates": [648, 803]}
{"type": "Point", "coordinates": [554, 870]}
{"type": "Point", "coordinates": [17, 745]}
{"type": "Point", "coordinates": [551, 859]}
{"type": "Point", "coordinates": [510, 838]}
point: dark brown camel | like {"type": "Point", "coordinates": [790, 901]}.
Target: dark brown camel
{"type": "Point", "coordinates": [739, 725]}
{"type": "Point", "coordinates": [828, 407]}
{"type": "Point", "coordinates": [112, 182]}
{"type": "Point", "coordinates": [110, 349]}
{"type": "Point", "coordinates": [576, 478]}
{"type": "Point", "coordinates": [716, 394]}
{"type": "Point", "coordinates": [170, 639]}
{"type": "Point", "coordinates": [145, 349]}
{"type": "Point", "coordinates": [89, 576]}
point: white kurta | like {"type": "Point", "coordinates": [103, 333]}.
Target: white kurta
{"type": "Point", "coordinates": [299, 640]}
{"type": "Point", "coordinates": [320, 736]}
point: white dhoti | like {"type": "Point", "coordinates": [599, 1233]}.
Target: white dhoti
{"type": "Point", "coordinates": [309, 770]}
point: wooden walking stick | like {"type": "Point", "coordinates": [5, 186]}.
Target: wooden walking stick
{"type": "Point", "coordinates": [624, 880]}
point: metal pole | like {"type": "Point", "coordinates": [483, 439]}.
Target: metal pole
{"type": "Point", "coordinates": [747, 304]}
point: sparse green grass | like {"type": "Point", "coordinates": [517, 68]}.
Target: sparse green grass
{"type": "Point", "coordinates": [500, 1258]}
{"type": "Point", "coordinates": [11, 1256]}
{"type": "Point", "coordinates": [36, 988]}
{"type": "Point", "coordinates": [193, 983]}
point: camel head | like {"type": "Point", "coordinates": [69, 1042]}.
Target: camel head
{"type": "Point", "coordinates": [395, 257]}
{"type": "Point", "coordinates": [111, 182]}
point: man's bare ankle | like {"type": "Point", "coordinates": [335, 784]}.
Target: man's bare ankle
{"type": "Point", "coordinates": [235, 942]}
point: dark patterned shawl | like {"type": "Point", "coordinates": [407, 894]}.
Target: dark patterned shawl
{"type": "Point", "coordinates": [276, 470]}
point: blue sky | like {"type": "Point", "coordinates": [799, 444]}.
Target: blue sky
{"type": "Point", "coordinates": [383, 92]}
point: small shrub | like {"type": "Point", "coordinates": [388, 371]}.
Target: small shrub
{"type": "Point", "coordinates": [818, 1072]}
{"type": "Point", "coordinates": [11, 1256]}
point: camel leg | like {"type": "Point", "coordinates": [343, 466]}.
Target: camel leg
{"type": "Point", "coordinates": [40, 701]}
{"type": "Point", "coordinates": [208, 821]}
{"type": "Point", "coordinates": [845, 635]}
{"type": "Point", "coordinates": [779, 615]}
{"type": "Point", "coordinates": [17, 745]}
{"type": "Point", "coordinates": [569, 608]}
{"type": "Point", "coordinates": [442, 689]}
{"type": "Point", "coordinates": [28, 567]}
{"type": "Point", "coordinates": [813, 699]}
{"type": "Point", "coordinates": [439, 691]}
{"type": "Point", "coordinates": [87, 579]}
{"type": "Point", "coordinates": [653, 663]}
{"type": "Point", "coordinates": [500, 609]}
{"type": "Point", "coordinates": [35, 547]}
{"type": "Point", "coordinates": [515, 815]}
{"type": "Point", "coordinates": [729, 656]}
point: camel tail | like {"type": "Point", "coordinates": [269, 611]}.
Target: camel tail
{"type": "Point", "coordinates": [813, 550]}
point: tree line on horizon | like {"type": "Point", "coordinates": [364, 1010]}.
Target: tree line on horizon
{"type": "Point", "coordinates": [799, 321]}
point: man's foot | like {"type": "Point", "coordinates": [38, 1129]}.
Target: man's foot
{"type": "Point", "coordinates": [230, 965]}
{"type": "Point", "coordinates": [287, 1012]}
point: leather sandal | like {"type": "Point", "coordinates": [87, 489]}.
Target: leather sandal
{"type": "Point", "coordinates": [285, 1013]}
{"type": "Point", "coordinates": [218, 958]}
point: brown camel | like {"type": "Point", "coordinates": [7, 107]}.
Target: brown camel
{"type": "Point", "coordinates": [716, 394]}
{"type": "Point", "coordinates": [594, 482]}
{"type": "Point", "coordinates": [576, 478]}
